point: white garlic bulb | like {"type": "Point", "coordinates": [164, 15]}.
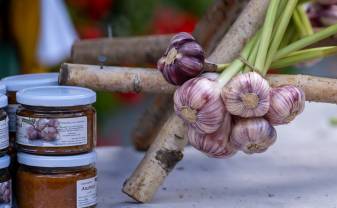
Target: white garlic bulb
{"type": "Point", "coordinates": [253, 135]}
{"type": "Point", "coordinates": [247, 95]}
{"type": "Point", "coordinates": [198, 103]}
{"type": "Point", "coordinates": [286, 103]}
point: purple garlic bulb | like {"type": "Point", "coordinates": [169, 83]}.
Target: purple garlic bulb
{"type": "Point", "coordinates": [215, 144]}
{"type": "Point", "coordinates": [53, 123]}
{"type": "Point", "coordinates": [252, 135]}
{"type": "Point", "coordinates": [183, 59]}
{"type": "Point", "coordinates": [247, 95]}
{"type": "Point", "coordinates": [327, 2]}
{"type": "Point", "coordinates": [49, 133]}
{"type": "Point", "coordinates": [322, 13]}
{"type": "Point", "coordinates": [41, 124]}
{"type": "Point", "coordinates": [329, 15]}
{"type": "Point", "coordinates": [198, 103]}
{"type": "Point", "coordinates": [32, 133]}
{"type": "Point", "coordinates": [286, 103]}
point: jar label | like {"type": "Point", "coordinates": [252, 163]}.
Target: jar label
{"type": "Point", "coordinates": [61, 132]}
{"type": "Point", "coordinates": [6, 194]}
{"type": "Point", "coordinates": [11, 112]}
{"type": "Point", "coordinates": [86, 192]}
{"type": "Point", "coordinates": [4, 139]}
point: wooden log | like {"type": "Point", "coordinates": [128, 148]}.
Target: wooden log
{"type": "Point", "coordinates": [151, 121]}
{"type": "Point", "coordinates": [317, 89]}
{"type": "Point", "coordinates": [120, 51]}
{"type": "Point", "coordinates": [158, 162]}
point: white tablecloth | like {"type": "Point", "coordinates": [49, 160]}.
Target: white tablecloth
{"type": "Point", "coordinates": [299, 170]}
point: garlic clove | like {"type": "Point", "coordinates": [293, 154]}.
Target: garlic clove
{"type": "Point", "coordinates": [199, 104]}
{"type": "Point", "coordinates": [247, 95]}
{"type": "Point", "coordinates": [286, 103]}
{"type": "Point", "coordinates": [252, 135]}
{"type": "Point", "coordinates": [183, 59]}
{"type": "Point", "coordinates": [216, 144]}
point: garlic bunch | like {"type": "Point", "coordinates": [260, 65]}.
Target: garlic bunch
{"type": "Point", "coordinates": [183, 59]}
{"type": "Point", "coordinates": [247, 95]}
{"type": "Point", "coordinates": [216, 144]}
{"type": "Point", "coordinates": [252, 135]}
{"type": "Point", "coordinates": [286, 103]}
{"type": "Point", "coordinates": [323, 13]}
{"type": "Point", "coordinates": [198, 103]}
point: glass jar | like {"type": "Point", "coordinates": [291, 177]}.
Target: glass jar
{"type": "Point", "coordinates": [56, 120]}
{"type": "Point", "coordinates": [4, 140]}
{"type": "Point", "coordinates": [19, 82]}
{"type": "Point", "coordinates": [57, 181]}
{"type": "Point", "coordinates": [5, 183]}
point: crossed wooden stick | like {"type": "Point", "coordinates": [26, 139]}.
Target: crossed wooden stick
{"type": "Point", "coordinates": [222, 45]}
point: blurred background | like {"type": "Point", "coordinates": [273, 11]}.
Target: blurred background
{"type": "Point", "coordinates": [37, 35]}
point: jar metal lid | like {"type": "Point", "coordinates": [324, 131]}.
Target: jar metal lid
{"type": "Point", "coordinates": [3, 88]}
{"type": "Point", "coordinates": [3, 101]}
{"type": "Point", "coordinates": [56, 96]}
{"type": "Point", "coordinates": [19, 82]}
{"type": "Point", "coordinates": [57, 161]}
{"type": "Point", "coordinates": [4, 161]}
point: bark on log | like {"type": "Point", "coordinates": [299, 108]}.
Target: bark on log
{"type": "Point", "coordinates": [147, 80]}
{"type": "Point", "coordinates": [159, 160]}
{"type": "Point", "coordinates": [120, 51]}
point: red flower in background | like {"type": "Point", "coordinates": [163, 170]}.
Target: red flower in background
{"type": "Point", "coordinates": [169, 20]}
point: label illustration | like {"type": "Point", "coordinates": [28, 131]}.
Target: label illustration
{"type": "Point", "coordinates": [52, 132]}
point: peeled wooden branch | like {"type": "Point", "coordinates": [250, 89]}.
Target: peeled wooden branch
{"type": "Point", "coordinates": [119, 51]}
{"type": "Point", "coordinates": [159, 160]}
{"type": "Point", "coordinates": [151, 121]}
{"type": "Point", "coordinates": [123, 79]}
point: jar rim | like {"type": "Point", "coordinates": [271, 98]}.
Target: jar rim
{"type": "Point", "coordinates": [56, 96]}
{"type": "Point", "coordinates": [57, 161]}
{"type": "Point", "coordinates": [19, 82]}
{"type": "Point", "coordinates": [3, 101]}
{"type": "Point", "coordinates": [4, 161]}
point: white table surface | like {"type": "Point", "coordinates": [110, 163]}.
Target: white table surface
{"type": "Point", "coordinates": [299, 170]}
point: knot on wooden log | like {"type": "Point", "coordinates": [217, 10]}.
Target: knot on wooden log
{"type": "Point", "coordinates": [168, 158]}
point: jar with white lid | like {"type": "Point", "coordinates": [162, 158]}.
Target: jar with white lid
{"type": "Point", "coordinates": [57, 181]}
{"type": "Point", "coordinates": [56, 120]}
{"type": "Point", "coordinates": [19, 82]}
{"type": "Point", "coordinates": [4, 139]}
{"type": "Point", "coordinates": [5, 183]}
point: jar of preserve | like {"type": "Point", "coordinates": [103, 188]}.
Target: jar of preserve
{"type": "Point", "coordinates": [19, 82]}
{"type": "Point", "coordinates": [4, 140]}
{"type": "Point", "coordinates": [5, 183]}
{"type": "Point", "coordinates": [57, 181]}
{"type": "Point", "coordinates": [56, 120]}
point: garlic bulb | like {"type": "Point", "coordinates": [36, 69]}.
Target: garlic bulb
{"type": "Point", "coordinates": [216, 144]}
{"type": "Point", "coordinates": [247, 95]}
{"type": "Point", "coordinates": [199, 104]}
{"type": "Point", "coordinates": [286, 103]}
{"type": "Point", "coordinates": [183, 59]}
{"type": "Point", "coordinates": [252, 135]}
{"type": "Point", "coordinates": [323, 13]}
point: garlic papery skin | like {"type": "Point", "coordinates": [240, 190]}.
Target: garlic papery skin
{"type": "Point", "coordinates": [198, 103]}
{"type": "Point", "coordinates": [286, 103]}
{"type": "Point", "coordinates": [247, 95]}
{"type": "Point", "coordinates": [183, 59]}
{"type": "Point", "coordinates": [252, 135]}
{"type": "Point", "coordinates": [216, 144]}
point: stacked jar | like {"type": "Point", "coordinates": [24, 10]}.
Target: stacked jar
{"type": "Point", "coordinates": [5, 176]}
{"type": "Point", "coordinates": [9, 86]}
{"type": "Point", "coordinates": [55, 138]}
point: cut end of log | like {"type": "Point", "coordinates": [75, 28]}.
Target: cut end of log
{"type": "Point", "coordinates": [64, 74]}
